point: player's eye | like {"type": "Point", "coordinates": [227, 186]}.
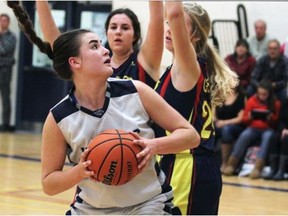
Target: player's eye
{"type": "Point", "coordinates": [113, 27]}
{"type": "Point", "coordinates": [94, 46]}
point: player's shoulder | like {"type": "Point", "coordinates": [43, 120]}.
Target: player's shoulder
{"type": "Point", "coordinates": [119, 87]}
{"type": "Point", "coordinates": [63, 109]}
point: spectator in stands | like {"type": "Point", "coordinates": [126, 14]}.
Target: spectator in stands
{"type": "Point", "coordinates": [242, 62]}
{"type": "Point", "coordinates": [259, 127]}
{"type": "Point", "coordinates": [272, 67]}
{"type": "Point", "coordinates": [228, 122]}
{"type": "Point", "coordinates": [258, 42]}
{"type": "Point", "coordinates": [7, 50]}
{"type": "Point", "coordinates": [279, 150]}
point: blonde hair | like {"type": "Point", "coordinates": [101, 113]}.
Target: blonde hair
{"type": "Point", "coordinates": [222, 79]}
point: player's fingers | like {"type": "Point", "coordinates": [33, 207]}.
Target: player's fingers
{"type": "Point", "coordinates": [135, 135]}
{"type": "Point", "coordinates": [87, 163]}
{"type": "Point", "coordinates": [145, 151]}
{"type": "Point", "coordinates": [84, 155]}
{"type": "Point", "coordinates": [89, 173]}
{"type": "Point", "coordinates": [141, 143]}
{"type": "Point", "coordinates": [144, 162]}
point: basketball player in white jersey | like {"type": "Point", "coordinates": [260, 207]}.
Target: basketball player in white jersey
{"type": "Point", "coordinates": [96, 103]}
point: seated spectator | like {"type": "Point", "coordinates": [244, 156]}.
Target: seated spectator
{"type": "Point", "coordinates": [272, 67]}
{"type": "Point", "coordinates": [279, 150]}
{"type": "Point", "coordinates": [258, 42]}
{"type": "Point", "coordinates": [228, 123]}
{"type": "Point", "coordinates": [258, 127]}
{"type": "Point", "coordinates": [242, 62]}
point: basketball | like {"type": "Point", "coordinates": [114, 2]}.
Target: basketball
{"type": "Point", "coordinates": [113, 156]}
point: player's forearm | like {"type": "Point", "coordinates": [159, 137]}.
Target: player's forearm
{"type": "Point", "coordinates": [60, 181]}
{"type": "Point", "coordinates": [180, 140]}
{"type": "Point", "coordinates": [152, 48]}
{"type": "Point", "coordinates": [47, 23]}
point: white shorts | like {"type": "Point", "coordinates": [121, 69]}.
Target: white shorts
{"type": "Point", "coordinates": [156, 206]}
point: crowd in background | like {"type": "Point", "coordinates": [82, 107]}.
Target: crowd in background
{"type": "Point", "coordinates": [255, 116]}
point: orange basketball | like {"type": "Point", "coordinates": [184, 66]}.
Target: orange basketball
{"type": "Point", "coordinates": [113, 156]}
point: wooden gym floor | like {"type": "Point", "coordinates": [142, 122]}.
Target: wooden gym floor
{"type": "Point", "coordinates": [21, 192]}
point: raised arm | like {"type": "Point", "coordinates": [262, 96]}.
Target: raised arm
{"type": "Point", "coordinates": [151, 51]}
{"type": "Point", "coordinates": [183, 36]}
{"type": "Point", "coordinates": [47, 23]}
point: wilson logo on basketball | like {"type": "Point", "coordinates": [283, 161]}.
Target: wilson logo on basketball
{"type": "Point", "coordinates": [108, 179]}
{"type": "Point", "coordinates": [130, 170]}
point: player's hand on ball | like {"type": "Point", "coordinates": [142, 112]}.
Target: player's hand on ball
{"type": "Point", "coordinates": [83, 164]}
{"type": "Point", "coordinates": [146, 153]}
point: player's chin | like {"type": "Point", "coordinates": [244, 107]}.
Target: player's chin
{"type": "Point", "coordinates": [109, 70]}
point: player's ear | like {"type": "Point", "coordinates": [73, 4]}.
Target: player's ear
{"type": "Point", "coordinates": [74, 62]}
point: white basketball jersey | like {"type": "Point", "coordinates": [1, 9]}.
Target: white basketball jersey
{"type": "Point", "coordinates": [122, 110]}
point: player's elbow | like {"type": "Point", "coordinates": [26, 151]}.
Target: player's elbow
{"type": "Point", "coordinates": [174, 13]}
{"type": "Point", "coordinates": [193, 138]}
{"type": "Point", "coordinates": [48, 189]}
{"type": "Point", "coordinates": [196, 139]}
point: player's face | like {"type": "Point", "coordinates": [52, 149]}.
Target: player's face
{"type": "Point", "coordinates": [120, 34]}
{"type": "Point", "coordinates": [168, 36]}
{"type": "Point", "coordinates": [93, 57]}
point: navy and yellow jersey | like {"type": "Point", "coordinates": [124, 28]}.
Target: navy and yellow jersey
{"type": "Point", "coordinates": [194, 105]}
{"type": "Point", "coordinates": [132, 69]}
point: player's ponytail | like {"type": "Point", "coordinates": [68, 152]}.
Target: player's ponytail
{"type": "Point", "coordinates": [221, 78]}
